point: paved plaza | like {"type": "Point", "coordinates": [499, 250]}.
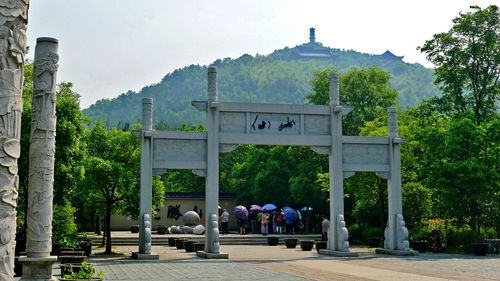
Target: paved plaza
{"type": "Point", "coordinates": [278, 263]}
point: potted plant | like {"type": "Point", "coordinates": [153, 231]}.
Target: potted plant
{"type": "Point", "coordinates": [86, 272]}
{"type": "Point", "coordinates": [306, 245]}
{"type": "Point", "coordinates": [291, 243]}
{"type": "Point", "coordinates": [419, 245]}
{"type": "Point", "coordinates": [189, 246]}
{"type": "Point", "coordinates": [199, 247]}
{"type": "Point", "coordinates": [179, 244]}
{"type": "Point", "coordinates": [272, 240]}
{"type": "Point", "coordinates": [68, 243]}
{"type": "Point", "coordinates": [480, 248]}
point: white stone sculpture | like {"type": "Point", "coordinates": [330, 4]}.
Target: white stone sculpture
{"type": "Point", "coordinates": [13, 20]}
{"type": "Point", "coordinates": [199, 230]}
{"type": "Point", "coordinates": [191, 218]}
{"type": "Point", "coordinates": [187, 229]}
{"type": "Point", "coordinates": [343, 234]}
{"type": "Point", "coordinates": [147, 229]}
{"type": "Point", "coordinates": [402, 234]}
{"type": "Point", "coordinates": [215, 233]}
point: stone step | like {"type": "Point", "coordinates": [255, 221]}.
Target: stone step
{"type": "Point", "coordinates": [224, 240]}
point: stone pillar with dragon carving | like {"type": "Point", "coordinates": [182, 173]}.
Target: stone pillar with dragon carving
{"type": "Point", "coordinates": [37, 265]}
{"type": "Point", "coordinates": [13, 20]}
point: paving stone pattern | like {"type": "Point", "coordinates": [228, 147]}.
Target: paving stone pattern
{"type": "Point", "coordinates": [187, 270]}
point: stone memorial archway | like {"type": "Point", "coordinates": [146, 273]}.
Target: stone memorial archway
{"type": "Point", "coordinates": [231, 124]}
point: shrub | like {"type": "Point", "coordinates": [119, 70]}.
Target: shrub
{"type": "Point", "coordinates": [63, 222]}
{"type": "Point", "coordinates": [87, 271]}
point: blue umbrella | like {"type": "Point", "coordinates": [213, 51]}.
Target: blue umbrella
{"type": "Point", "coordinates": [241, 212]}
{"type": "Point", "coordinates": [269, 207]}
{"type": "Point", "coordinates": [306, 209]}
{"type": "Point", "coordinates": [290, 214]}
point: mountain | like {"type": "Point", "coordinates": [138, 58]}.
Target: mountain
{"type": "Point", "coordinates": [280, 77]}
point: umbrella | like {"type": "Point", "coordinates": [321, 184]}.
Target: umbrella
{"type": "Point", "coordinates": [290, 213]}
{"type": "Point", "coordinates": [269, 207]}
{"type": "Point", "coordinates": [287, 208]}
{"type": "Point", "coordinates": [255, 208]}
{"type": "Point", "coordinates": [241, 212]}
{"type": "Point", "coordinates": [306, 209]}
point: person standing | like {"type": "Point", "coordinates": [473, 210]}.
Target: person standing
{"type": "Point", "coordinates": [264, 223]}
{"type": "Point", "coordinates": [224, 219]}
{"type": "Point", "coordinates": [325, 226]}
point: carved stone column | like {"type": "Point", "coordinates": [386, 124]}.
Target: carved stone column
{"type": "Point", "coordinates": [38, 264]}
{"type": "Point", "coordinates": [13, 20]}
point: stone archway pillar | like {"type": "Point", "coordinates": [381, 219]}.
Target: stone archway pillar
{"type": "Point", "coordinates": [13, 20]}
{"type": "Point", "coordinates": [37, 265]}
{"type": "Point", "coordinates": [396, 233]}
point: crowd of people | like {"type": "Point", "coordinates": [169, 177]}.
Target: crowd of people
{"type": "Point", "coordinates": [266, 222]}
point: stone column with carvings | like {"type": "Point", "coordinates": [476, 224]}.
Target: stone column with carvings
{"type": "Point", "coordinates": [13, 20]}
{"type": "Point", "coordinates": [38, 263]}
{"type": "Point", "coordinates": [336, 169]}
{"type": "Point", "coordinates": [212, 179]}
{"type": "Point", "coordinates": [146, 193]}
{"type": "Point", "coordinates": [396, 234]}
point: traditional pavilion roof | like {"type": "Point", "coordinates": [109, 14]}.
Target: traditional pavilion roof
{"type": "Point", "coordinates": [389, 56]}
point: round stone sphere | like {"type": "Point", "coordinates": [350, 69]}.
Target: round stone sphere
{"type": "Point", "coordinates": [191, 218]}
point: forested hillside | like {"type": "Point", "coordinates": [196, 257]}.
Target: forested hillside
{"type": "Point", "coordinates": [281, 77]}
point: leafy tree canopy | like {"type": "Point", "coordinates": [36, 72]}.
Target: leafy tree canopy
{"type": "Point", "coordinates": [467, 60]}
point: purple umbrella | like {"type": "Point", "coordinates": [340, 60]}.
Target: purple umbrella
{"type": "Point", "coordinates": [241, 212]}
{"type": "Point", "coordinates": [255, 208]}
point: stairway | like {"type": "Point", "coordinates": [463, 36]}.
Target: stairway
{"type": "Point", "coordinates": [231, 239]}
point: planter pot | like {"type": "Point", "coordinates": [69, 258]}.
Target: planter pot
{"type": "Point", "coordinates": [291, 243]}
{"type": "Point", "coordinates": [162, 230]}
{"type": "Point", "coordinates": [273, 241]}
{"type": "Point", "coordinates": [72, 253]}
{"type": "Point", "coordinates": [86, 247]}
{"type": "Point", "coordinates": [480, 249]}
{"type": "Point", "coordinates": [134, 228]}
{"type": "Point", "coordinates": [56, 250]}
{"type": "Point", "coordinates": [189, 246]}
{"type": "Point", "coordinates": [199, 247]}
{"type": "Point", "coordinates": [320, 245]}
{"type": "Point", "coordinates": [373, 242]}
{"type": "Point", "coordinates": [420, 246]}
{"type": "Point", "coordinates": [72, 259]}
{"type": "Point", "coordinates": [306, 245]}
{"type": "Point", "coordinates": [179, 244]}
{"type": "Point", "coordinates": [171, 242]}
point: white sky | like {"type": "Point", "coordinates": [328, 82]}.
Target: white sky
{"type": "Point", "coordinates": [107, 47]}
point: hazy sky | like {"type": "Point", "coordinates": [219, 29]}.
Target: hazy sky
{"type": "Point", "coordinates": [107, 47]}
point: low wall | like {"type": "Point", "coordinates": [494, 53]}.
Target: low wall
{"type": "Point", "coordinates": [175, 205]}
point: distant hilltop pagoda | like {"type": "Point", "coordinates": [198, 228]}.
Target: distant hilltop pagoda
{"type": "Point", "coordinates": [316, 50]}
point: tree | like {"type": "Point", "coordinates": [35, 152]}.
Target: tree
{"type": "Point", "coordinates": [111, 182]}
{"type": "Point", "coordinates": [461, 163]}
{"type": "Point", "coordinates": [367, 90]}
{"type": "Point", "coordinates": [467, 60]}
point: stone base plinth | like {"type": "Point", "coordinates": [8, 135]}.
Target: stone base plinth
{"type": "Point", "coordinates": [397, 252]}
{"type": "Point", "coordinates": [37, 269]}
{"type": "Point", "coordinates": [337, 253]}
{"type": "Point", "coordinates": [139, 256]}
{"type": "Point", "coordinates": [206, 255]}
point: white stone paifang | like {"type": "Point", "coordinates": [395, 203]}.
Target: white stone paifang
{"type": "Point", "coordinates": [13, 20]}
